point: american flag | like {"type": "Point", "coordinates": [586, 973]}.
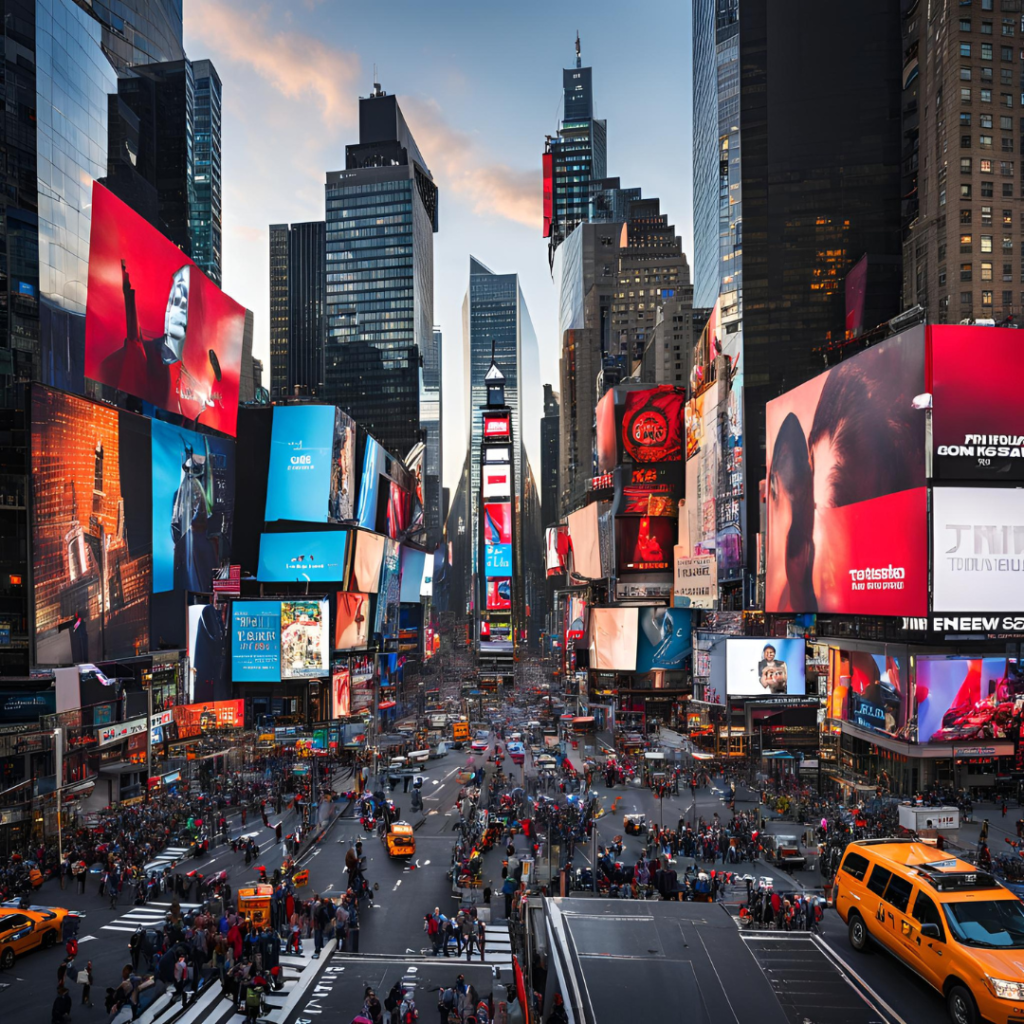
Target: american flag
{"type": "Point", "coordinates": [228, 581]}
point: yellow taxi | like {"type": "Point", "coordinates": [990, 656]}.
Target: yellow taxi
{"type": "Point", "coordinates": [21, 931]}
{"type": "Point", "coordinates": [956, 927]}
{"type": "Point", "coordinates": [400, 840]}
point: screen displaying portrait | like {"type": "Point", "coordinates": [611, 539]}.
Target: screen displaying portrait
{"type": "Point", "coordinates": [351, 621]}
{"type": "Point", "coordinates": [760, 667]}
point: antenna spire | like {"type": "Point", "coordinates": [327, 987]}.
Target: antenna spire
{"type": "Point", "coordinates": [579, 63]}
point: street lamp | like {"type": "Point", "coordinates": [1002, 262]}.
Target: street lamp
{"type": "Point", "coordinates": [58, 738]}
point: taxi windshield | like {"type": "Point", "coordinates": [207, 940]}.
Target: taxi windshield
{"type": "Point", "coordinates": [990, 924]}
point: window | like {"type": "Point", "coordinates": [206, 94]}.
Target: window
{"type": "Point", "coordinates": [986, 299]}
{"type": "Point", "coordinates": [1006, 123]}
{"type": "Point", "coordinates": [855, 865]}
{"type": "Point", "coordinates": [879, 879]}
{"type": "Point", "coordinates": [965, 298]}
{"type": "Point", "coordinates": [925, 912]}
{"type": "Point", "coordinates": [986, 271]}
{"type": "Point", "coordinates": [985, 166]}
{"type": "Point", "coordinates": [965, 49]}
{"type": "Point", "coordinates": [1007, 244]}
{"type": "Point", "coordinates": [1007, 144]}
{"type": "Point", "coordinates": [986, 215]}
{"type": "Point", "coordinates": [965, 119]}
{"type": "Point", "coordinates": [986, 189]}
{"type": "Point", "coordinates": [942, 197]}
{"type": "Point", "coordinates": [965, 74]}
{"type": "Point", "coordinates": [965, 24]}
{"type": "Point", "coordinates": [986, 28]}
{"type": "Point", "coordinates": [1008, 217]}
{"type": "Point", "coordinates": [1005, 99]}
{"type": "Point", "coordinates": [986, 95]}
{"type": "Point", "coordinates": [986, 243]}
{"type": "Point", "coordinates": [1007, 298]}
{"type": "Point", "coordinates": [965, 142]}
{"type": "Point", "coordinates": [942, 277]}
{"type": "Point", "coordinates": [942, 252]}
{"type": "Point", "coordinates": [966, 240]}
{"type": "Point", "coordinates": [986, 74]}
{"type": "Point", "coordinates": [965, 95]}
{"type": "Point", "coordinates": [965, 272]}
{"type": "Point", "coordinates": [965, 191]}
{"type": "Point", "coordinates": [965, 165]}
{"type": "Point", "coordinates": [984, 141]}
{"type": "Point", "coordinates": [965, 216]}
{"type": "Point", "coordinates": [1006, 168]}
{"type": "Point", "coordinates": [1007, 271]}
{"type": "Point", "coordinates": [1006, 53]}
{"type": "Point", "coordinates": [1007, 26]}
{"type": "Point", "coordinates": [1007, 190]}
{"type": "Point", "coordinates": [985, 120]}
{"type": "Point", "coordinates": [986, 51]}
{"type": "Point", "coordinates": [898, 893]}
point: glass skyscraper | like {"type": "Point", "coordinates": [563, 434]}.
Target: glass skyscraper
{"type": "Point", "coordinates": [381, 216]}
{"type": "Point", "coordinates": [205, 216]}
{"type": "Point", "coordinates": [431, 426]}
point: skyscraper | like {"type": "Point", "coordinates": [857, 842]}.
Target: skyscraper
{"type": "Point", "coordinates": [381, 216]}
{"type": "Point", "coordinates": [431, 420]}
{"type": "Point", "coordinates": [573, 157]}
{"type": "Point", "coordinates": [205, 215]}
{"type": "Point", "coordinates": [278, 310]}
{"type": "Point", "coordinates": [549, 458]}
{"type": "Point", "coordinates": [782, 210]}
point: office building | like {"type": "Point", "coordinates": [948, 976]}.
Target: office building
{"type": "Point", "coordinates": [962, 255]}
{"type": "Point", "coordinates": [278, 310]}
{"type": "Point", "coordinates": [431, 420]}
{"type": "Point", "coordinates": [205, 215]}
{"type": "Point", "coordinates": [782, 210]}
{"type": "Point", "coordinates": [139, 31]}
{"type": "Point", "coordinates": [549, 433]}
{"type": "Point", "coordinates": [573, 157]}
{"type": "Point", "coordinates": [381, 217]}
{"type": "Point", "coordinates": [668, 354]}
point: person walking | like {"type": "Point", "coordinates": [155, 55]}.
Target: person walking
{"type": "Point", "coordinates": [61, 1011]}
{"type": "Point", "coordinates": [85, 980]}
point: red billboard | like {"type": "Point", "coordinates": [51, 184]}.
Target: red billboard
{"type": "Point", "coordinates": [645, 543]}
{"type": "Point", "coordinates": [652, 425]}
{"type": "Point", "coordinates": [548, 166]}
{"type": "Point", "coordinates": [156, 326]}
{"type": "Point", "coordinates": [496, 426]}
{"type": "Point", "coordinates": [846, 495]}
{"type": "Point", "coordinates": [499, 594]}
{"type": "Point", "coordinates": [977, 414]}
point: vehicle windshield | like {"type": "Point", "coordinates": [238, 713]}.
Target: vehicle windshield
{"type": "Point", "coordinates": [991, 924]}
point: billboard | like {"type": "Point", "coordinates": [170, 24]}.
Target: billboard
{"type": "Point", "coordinates": [367, 561]}
{"type": "Point", "coordinates": [305, 643]}
{"type": "Point", "coordinates": [497, 481]}
{"type": "Point", "coordinates": [585, 542]}
{"type": "Point", "coordinates": [575, 619]}
{"type": "Point", "coordinates": [414, 566]}
{"type": "Point", "coordinates": [302, 557]}
{"type": "Point", "coordinates": [499, 594]}
{"type": "Point", "coordinates": [369, 484]}
{"type": "Point", "coordinates": [759, 667]}
{"type": "Point", "coordinates": [977, 549]}
{"type": "Point", "coordinates": [652, 490]}
{"type": "Point", "coordinates": [341, 690]}
{"type": "Point", "coordinates": [695, 583]}
{"type": "Point", "coordinates": [155, 325]}
{"type": "Point", "coordinates": [977, 419]}
{"type": "Point", "coordinates": [607, 447]}
{"type": "Point", "coordinates": [256, 641]}
{"type": "Point", "coordinates": [496, 426]}
{"type": "Point", "coordinates": [664, 639]}
{"type": "Point", "coordinates": [208, 716]}
{"type": "Point", "coordinates": [846, 488]}
{"type": "Point", "coordinates": [613, 639]}
{"type": "Point", "coordinates": [498, 538]}
{"type": "Point", "coordinates": [207, 654]}
{"type": "Point", "coordinates": [556, 548]}
{"type": "Point", "coordinates": [92, 551]}
{"type": "Point", "coordinates": [193, 507]}
{"type": "Point", "coordinates": [653, 425]}
{"type": "Point", "coordinates": [390, 591]}
{"type": "Point", "coordinates": [644, 544]}
{"type": "Point", "coordinates": [872, 691]}
{"type": "Point", "coordinates": [301, 463]}
{"type": "Point", "coordinates": [966, 698]}
{"type": "Point", "coordinates": [362, 670]}
{"type": "Point", "coordinates": [351, 621]}
{"type": "Point", "coordinates": [342, 492]}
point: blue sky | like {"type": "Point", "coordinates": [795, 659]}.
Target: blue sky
{"type": "Point", "coordinates": [480, 85]}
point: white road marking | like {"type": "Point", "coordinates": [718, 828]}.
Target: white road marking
{"type": "Point", "coordinates": [86, 938]}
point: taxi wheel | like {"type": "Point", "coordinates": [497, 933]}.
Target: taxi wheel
{"type": "Point", "coordinates": [7, 959]}
{"type": "Point", "coordinates": [859, 937]}
{"type": "Point", "coordinates": [49, 940]}
{"type": "Point", "coordinates": [961, 1006]}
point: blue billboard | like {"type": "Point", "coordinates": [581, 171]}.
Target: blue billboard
{"type": "Point", "coordinates": [369, 484]}
{"type": "Point", "coordinates": [498, 560]}
{"type": "Point", "coordinates": [664, 639]}
{"type": "Point", "coordinates": [256, 641]}
{"type": "Point", "coordinates": [390, 591]}
{"type": "Point", "coordinates": [302, 557]}
{"type": "Point", "coordinates": [301, 448]}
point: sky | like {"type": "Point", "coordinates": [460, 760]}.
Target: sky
{"type": "Point", "coordinates": [480, 84]}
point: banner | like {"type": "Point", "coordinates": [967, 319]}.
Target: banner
{"type": "Point", "coordinates": [695, 583]}
{"type": "Point", "coordinates": [301, 463]}
{"type": "Point", "coordinates": [302, 557]}
{"type": "Point", "coordinates": [759, 667]}
{"type": "Point", "coordinates": [305, 647]}
{"type": "Point", "coordinates": [664, 639]}
{"type": "Point", "coordinates": [256, 641]}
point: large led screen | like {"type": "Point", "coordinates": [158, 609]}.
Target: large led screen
{"type": "Point", "coordinates": [155, 325]}
{"type": "Point", "coordinates": [301, 466]}
{"type": "Point", "coordinates": [363, 670]}
{"type": "Point", "coordinates": [645, 544]}
{"type": "Point", "coordinates": [870, 690]}
{"type": "Point", "coordinates": [664, 639]}
{"type": "Point", "coordinates": [193, 507]}
{"type": "Point", "coordinates": [585, 542]}
{"type": "Point", "coordinates": [389, 594]}
{"type": "Point", "coordinates": [846, 488]}
{"type": "Point", "coordinates": [342, 495]}
{"type": "Point", "coordinates": [652, 490]}
{"type": "Point", "coordinates": [413, 563]}
{"type": "Point", "coordinates": [351, 621]}
{"type": "Point", "coordinates": [497, 481]}
{"type": "Point", "coordinates": [497, 538]}
{"type": "Point", "coordinates": [613, 639]}
{"type": "Point", "coordinates": [977, 549]}
{"type": "Point", "coordinates": [256, 641]}
{"type": "Point", "coordinates": [653, 425]}
{"type": "Point", "coordinates": [305, 639]}
{"type": "Point", "coordinates": [207, 654]}
{"type": "Point", "coordinates": [977, 414]}
{"type": "Point", "coordinates": [341, 691]}
{"type": "Point", "coordinates": [966, 698]}
{"type": "Point", "coordinates": [369, 484]}
{"type": "Point", "coordinates": [757, 667]}
{"type": "Point", "coordinates": [367, 561]}
{"type": "Point", "coordinates": [302, 557]}
{"type": "Point", "coordinates": [92, 561]}
{"type": "Point", "coordinates": [499, 595]}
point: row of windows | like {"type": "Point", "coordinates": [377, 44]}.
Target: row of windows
{"type": "Point", "coordinates": [382, 199]}
{"type": "Point", "coordinates": [341, 189]}
{"type": "Point", "coordinates": [985, 166]}
{"type": "Point", "coordinates": [985, 95]}
{"type": "Point", "coordinates": [985, 121]}
{"type": "Point", "coordinates": [371, 210]}
{"type": "Point", "coordinates": [966, 216]}
{"type": "Point", "coordinates": [985, 142]}
{"type": "Point", "coordinates": [1005, 52]}
{"type": "Point", "coordinates": [1007, 26]}
{"type": "Point", "coordinates": [967, 299]}
{"type": "Point", "coordinates": [986, 272]}
{"type": "Point", "coordinates": [986, 191]}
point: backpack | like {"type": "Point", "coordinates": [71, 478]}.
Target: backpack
{"type": "Point", "coordinates": [390, 1002]}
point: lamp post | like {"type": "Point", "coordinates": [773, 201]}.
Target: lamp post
{"type": "Point", "coordinates": [58, 739]}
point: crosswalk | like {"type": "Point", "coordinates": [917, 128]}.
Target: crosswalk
{"type": "Point", "coordinates": [497, 948]}
{"type": "Point", "coordinates": [149, 915]}
{"type": "Point", "coordinates": [166, 856]}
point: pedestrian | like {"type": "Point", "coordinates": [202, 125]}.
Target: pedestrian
{"type": "Point", "coordinates": [61, 1012]}
{"type": "Point", "coordinates": [446, 1004]}
{"type": "Point", "coordinates": [392, 1002]}
{"type": "Point", "coordinates": [86, 983]}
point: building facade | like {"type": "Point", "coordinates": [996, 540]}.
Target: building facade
{"type": "Point", "coordinates": [549, 488]}
{"type": "Point", "coordinates": [279, 310]}
{"type": "Point", "coordinates": [205, 215]}
{"type": "Point", "coordinates": [431, 425]}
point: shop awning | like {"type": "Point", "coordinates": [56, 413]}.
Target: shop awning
{"type": "Point", "coordinates": [583, 720]}
{"type": "Point", "coordinates": [121, 768]}
{"type": "Point", "coordinates": [385, 704]}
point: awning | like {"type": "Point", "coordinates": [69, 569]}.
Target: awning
{"type": "Point", "coordinates": [583, 720]}
{"type": "Point", "coordinates": [121, 768]}
{"type": "Point", "coordinates": [385, 704]}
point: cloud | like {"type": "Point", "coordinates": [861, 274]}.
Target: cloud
{"type": "Point", "coordinates": [297, 65]}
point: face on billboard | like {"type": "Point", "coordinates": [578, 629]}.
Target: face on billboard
{"type": "Point", "coordinates": [499, 594]}
{"type": "Point", "coordinates": [846, 494]}
{"type": "Point", "coordinates": [193, 507]}
{"type": "Point", "coordinates": [207, 653]}
{"type": "Point", "coordinates": [256, 641]}
{"type": "Point", "coordinates": [298, 557]}
{"type": "Point", "coordinates": [155, 325]}
{"type": "Point", "coordinates": [352, 621]}
{"type": "Point", "coordinates": [756, 667]}
{"type": "Point", "coordinates": [965, 698]}
{"type": "Point", "coordinates": [91, 529]}
{"type": "Point", "coordinates": [645, 543]}
{"type": "Point", "coordinates": [366, 564]}
{"type": "Point", "coordinates": [664, 639]}
{"type": "Point", "coordinates": [653, 425]}
{"type": "Point", "coordinates": [341, 696]}
{"type": "Point", "coordinates": [304, 645]}
{"type": "Point", "coordinates": [870, 690]}
{"type": "Point", "coordinates": [301, 452]}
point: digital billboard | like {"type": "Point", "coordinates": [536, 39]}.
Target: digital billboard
{"type": "Point", "coordinates": [342, 494]}
{"type": "Point", "coordinates": [965, 698]}
{"type": "Point", "coordinates": [91, 526]}
{"type": "Point", "coordinates": [575, 619]}
{"type": "Point", "coordinates": [302, 557]}
{"type": "Point", "coordinates": [256, 641]}
{"type": "Point", "coordinates": [977, 416]}
{"type": "Point", "coordinates": [846, 488]}
{"type": "Point", "coordinates": [413, 567]}
{"type": "Point", "coordinates": [155, 325]}
{"type": "Point", "coordinates": [497, 538]}
{"type": "Point", "coordinates": [759, 667]}
{"type": "Point", "coordinates": [305, 639]}
{"type": "Point", "coordinates": [193, 720]}
{"type": "Point", "coordinates": [977, 549]}
{"type": "Point", "coordinates": [613, 639]}
{"type": "Point", "coordinates": [207, 654]}
{"type": "Point", "coordinates": [872, 691]}
{"type": "Point", "coordinates": [653, 424]}
{"type": "Point", "coordinates": [369, 484]}
{"type": "Point", "coordinates": [664, 639]}
{"type": "Point", "coordinates": [301, 463]}
{"type": "Point", "coordinates": [607, 446]}
{"type": "Point", "coordinates": [389, 594]}
{"type": "Point", "coordinates": [351, 621]}
{"type": "Point", "coordinates": [645, 544]}
{"type": "Point", "coordinates": [585, 542]}
{"type": "Point", "coordinates": [193, 507]}
{"type": "Point", "coordinates": [652, 490]}
{"type": "Point", "coordinates": [363, 671]}
{"type": "Point", "coordinates": [496, 426]}
{"type": "Point", "coordinates": [341, 690]}
{"type": "Point", "coordinates": [367, 561]}
{"type": "Point", "coordinates": [499, 594]}
{"type": "Point", "coordinates": [497, 481]}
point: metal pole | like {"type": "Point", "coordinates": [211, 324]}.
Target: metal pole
{"type": "Point", "coordinates": [58, 736]}
{"type": "Point", "coordinates": [149, 737]}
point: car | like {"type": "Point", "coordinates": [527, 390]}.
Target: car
{"type": "Point", "coordinates": [400, 840]}
{"type": "Point", "coordinates": [21, 931]}
{"type": "Point", "coordinates": [785, 851]}
{"type": "Point", "coordinates": [481, 741]}
{"type": "Point", "coordinates": [19, 903]}
{"type": "Point", "coordinates": [517, 752]}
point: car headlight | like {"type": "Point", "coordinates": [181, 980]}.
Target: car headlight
{"type": "Point", "coordinates": [1007, 989]}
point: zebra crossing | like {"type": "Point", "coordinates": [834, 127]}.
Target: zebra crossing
{"type": "Point", "coordinates": [166, 856]}
{"type": "Point", "coordinates": [148, 915]}
{"type": "Point", "coordinates": [497, 949]}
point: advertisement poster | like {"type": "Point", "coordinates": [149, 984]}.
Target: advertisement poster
{"type": "Point", "coordinates": [499, 595]}
{"type": "Point", "coordinates": [91, 525]}
{"type": "Point", "coordinates": [576, 620]}
{"type": "Point", "coordinates": [496, 426]}
{"type": "Point", "coordinates": [305, 648]}
{"type": "Point", "coordinates": [343, 470]}
{"type": "Point", "coordinates": [369, 485]}
{"type": "Point", "coordinates": [645, 544]}
{"type": "Point", "coordinates": [498, 538]}
{"type": "Point", "coordinates": [606, 442]}
{"type": "Point", "coordinates": [497, 481]}
{"type": "Point", "coordinates": [256, 641]}
{"type": "Point", "coordinates": [977, 416]}
{"type": "Point", "coordinates": [871, 691]}
{"type": "Point", "coordinates": [400, 511]}
{"type": "Point", "coordinates": [648, 490]}
{"type": "Point", "coordinates": [977, 549]}
{"type": "Point", "coordinates": [301, 463]}
{"type": "Point", "coordinates": [846, 491]}
{"type": "Point", "coordinates": [966, 698]}
{"type": "Point", "coordinates": [367, 562]}
{"type": "Point", "coordinates": [352, 621]}
{"type": "Point", "coordinates": [341, 694]}
{"type": "Point", "coordinates": [155, 325]}
{"type": "Point", "coordinates": [207, 654]}
{"type": "Point", "coordinates": [695, 583]}
{"type": "Point", "coordinates": [193, 507]}
{"type": "Point", "coordinates": [363, 670]}
{"type": "Point", "coordinates": [389, 595]}
{"type": "Point", "coordinates": [413, 568]}
{"type": "Point", "coordinates": [302, 557]}
{"type": "Point", "coordinates": [613, 639]}
{"type": "Point", "coordinates": [585, 542]}
{"type": "Point", "coordinates": [759, 667]}
{"type": "Point", "coordinates": [664, 639]}
{"type": "Point", "coordinates": [653, 424]}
